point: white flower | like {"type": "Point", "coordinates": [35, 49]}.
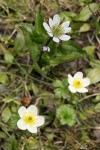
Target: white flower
{"type": "Point", "coordinates": [46, 49]}
{"type": "Point", "coordinates": [29, 119]}
{"type": "Point", "coordinates": [57, 30]}
{"type": "Point", "coordinates": [78, 83]}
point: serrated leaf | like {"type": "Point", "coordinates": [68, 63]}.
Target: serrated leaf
{"type": "Point", "coordinates": [58, 83]}
{"type": "Point", "coordinates": [66, 114]}
{"type": "Point", "coordinates": [60, 92]}
{"type": "Point", "coordinates": [86, 12]}
{"type": "Point", "coordinates": [6, 114]}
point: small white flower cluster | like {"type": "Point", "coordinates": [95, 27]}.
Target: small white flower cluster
{"type": "Point", "coordinates": [57, 30]}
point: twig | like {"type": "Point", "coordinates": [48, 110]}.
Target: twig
{"type": "Point", "coordinates": [92, 95]}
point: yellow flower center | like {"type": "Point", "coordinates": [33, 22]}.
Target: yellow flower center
{"type": "Point", "coordinates": [58, 30]}
{"type": "Point", "coordinates": [29, 118]}
{"type": "Point", "coordinates": [77, 83]}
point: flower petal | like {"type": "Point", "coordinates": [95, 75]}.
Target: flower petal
{"type": "Point", "coordinates": [21, 124]}
{"type": "Point", "coordinates": [82, 90]}
{"type": "Point", "coordinates": [32, 128]}
{"type": "Point", "coordinates": [32, 109]}
{"type": "Point", "coordinates": [22, 110]}
{"type": "Point", "coordinates": [55, 39]}
{"type": "Point", "coordinates": [65, 24]}
{"type": "Point", "coordinates": [56, 20]}
{"type": "Point", "coordinates": [50, 22]}
{"type": "Point", "coordinates": [86, 81]}
{"type": "Point", "coordinates": [50, 34]}
{"type": "Point", "coordinates": [78, 75]}
{"type": "Point", "coordinates": [70, 79]}
{"type": "Point", "coordinates": [66, 30]}
{"type": "Point", "coordinates": [64, 37]}
{"type": "Point", "coordinates": [72, 89]}
{"type": "Point", "coordinates": [46, 26]}
{"type": "Point", "coordinates": [40, 121]}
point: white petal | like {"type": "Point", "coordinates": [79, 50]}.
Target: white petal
{"type": "Point", "coordinates": [64, 37]}
{"type": "Point", "coordinates": [55, 39]}
{"type": "Point", "coordinates": [46, 26]}
{"type": "Point", "coordinates": [32, 109]}
{"type": "Point", "coordinates": [50, 34]}
{"type": "Point", "coordinates": [70, 79]}
{"type": "Point", "coordinates": [22, 110]}
{"type": "Point", "coordinates": [21, 124]}
{"type": "Point", "coordinates": [65, 24]}
{"type": "Point", "coordinates": [32, 128]}
{"type": "Point", "coordinates": [82, 90]}
{"type": "Point", "coordinates": [78, 75]}
{"type": "Point", "coordinates": [50, 22]}
{"type": "Point", "coordinates": [86, 81]}
{"type": "Point", "coordinates": [40, 121]}
{"type": "Point", "coordinates": [56, 19]}
{"type": "Point", "coordinates": [72, 89]}
{"type": "Point", "coordinates": [66, 30]}
{"type": "Point", "coordinates": [48, 49]}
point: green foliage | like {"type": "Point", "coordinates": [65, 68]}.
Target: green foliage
{"type": "Point", "coordinates": [66, 52]}
{"type": "Point", "coordinates": [3, 78]}
{"type": "Point", "coordinates": [97, 107]}
{"type": "Point", "coordinates": [87, 11]}
{"type": "Point", "coordinates": [6, 114]}
{"type": "Point", "coordinates": [94, 75]}
{"type": "Point", "coordinates": [61, 88]}
{"type": "Point", "coordinates": [66, 114]}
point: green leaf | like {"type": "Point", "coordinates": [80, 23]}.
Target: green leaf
{"type": "Point", "coordinates": [36, 37]}
{"type": "Point", "coordinates": [97, 107]}
{"type": "Point", "coordinates": [68, 51]}
{"type": "Point", "coordinates": [39, 22]}
{"type": "Point", "coordinates": [94, 75]}
{"type": "Point", "coordinates": [9, 58]}
{"type": "Point", "coordinates": [2, 135]}
{"type": "Point", "coordinates": [13, 121]}
{"type": "Point", "coordinates": [32, 46]}
{"type": "Point", "coordinates": [66, 114]}
{"type": "Point", "coordinates": [61, 92]}
{"type": "Point", "coordinates": [3, 78]}
{"type": "Point", "coordinates": [90, 50]}
{"type": "Point", "coordinates": [95, 63]}
{"type": "Point", "coordinates": [85, 27]}
{"type": "Point", "coordinates": [6, 114]}
{"type": "Point", "coordinates": [19, 43]}
{"type": "Point", "coordinates": [58, 83]}
{"type": "Point", "coordinates": [86, 13]}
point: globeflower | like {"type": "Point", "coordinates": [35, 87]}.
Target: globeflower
{"type": "Point", "coordinates": [29, 119]}
{"type": "Point", "coordinates": [57, 30]}
{"type": "Point", "coordinates": [78, 83]}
